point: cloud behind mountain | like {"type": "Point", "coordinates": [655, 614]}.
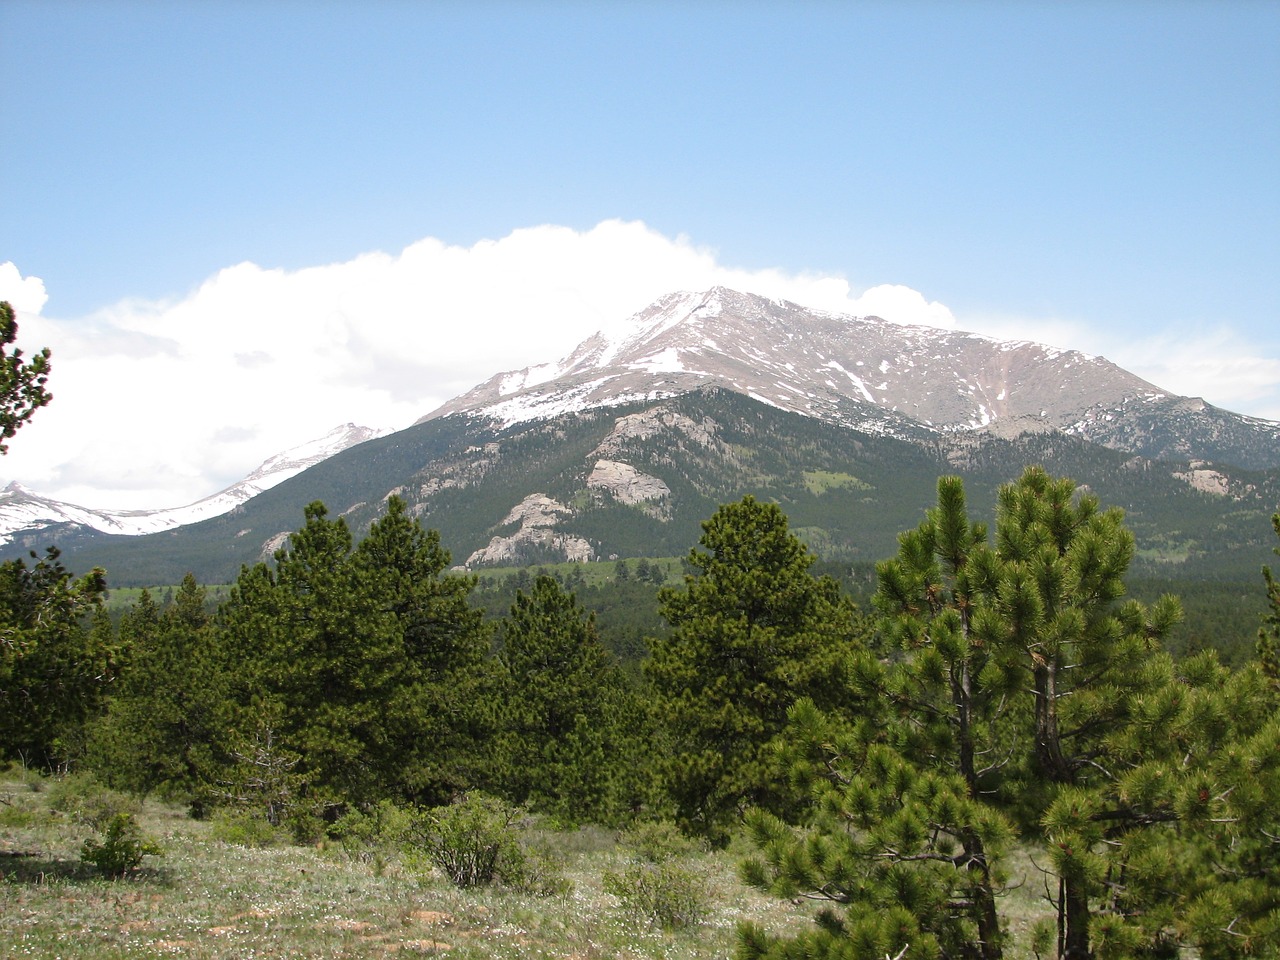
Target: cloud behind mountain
{"type": "Point", "coordinates": [162, 403]}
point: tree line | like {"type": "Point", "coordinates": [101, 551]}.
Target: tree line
{"type": "Point", "coordinates": [1000, 688]}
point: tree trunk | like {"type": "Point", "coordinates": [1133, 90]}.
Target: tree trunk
{"type": "Point", "coordinates": [984, 900]}
{"type": "Point", "coordinates": [1075, 906]}
{"type": "Point", "coordinates": [1048, 741]}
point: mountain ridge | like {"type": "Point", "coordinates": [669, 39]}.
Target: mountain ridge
{"type": "Point", "coordinates": [625, 445]}
{"type": "Point", "coordinates": [866, 373]}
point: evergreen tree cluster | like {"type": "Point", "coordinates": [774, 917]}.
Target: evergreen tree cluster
{"type": "Point", "coordinates": [1000, 690]}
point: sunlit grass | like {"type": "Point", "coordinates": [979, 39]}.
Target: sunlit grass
{"type": "Point", "coordinates": [205, 898]}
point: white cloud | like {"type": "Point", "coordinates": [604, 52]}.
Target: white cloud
{"type": "Point", "coordinates": [1217, 365]}
{"type": "Point", "coordinates": [160, 403]}
{"type": "Point", "coordinates": [25, 295]}
{"type": "Point", "coordinates": [899, 304]}
{"type": "Point", "coordinates": [1214, 363]}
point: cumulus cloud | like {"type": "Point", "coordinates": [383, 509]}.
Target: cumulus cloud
{"type": "Point", "coordinates": [161, 403]}
{"type": "Point", "coordinates": [24, 294]}
{"type": "Point", "coordinates": [899, 304]}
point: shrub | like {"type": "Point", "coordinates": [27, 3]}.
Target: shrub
{"type": "Point", "coordinates": [657, 841]}
{"type": "Point", "coordinates": [244, 829]}
{"type": "Point", "coordinates": [665, 894]}
{"type": "Point", "coordinates": [123, 847]}
{"type": "Point", "coordinates": [473, 841]}
{"type": "Point", "coordinates": [369, 835]}
{"type": "Point", "coordinates": [535, 869]}
{"type": "Point", "coordinates": [478, 841]}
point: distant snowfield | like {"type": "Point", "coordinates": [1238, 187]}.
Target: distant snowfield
{"type": "Point", "coordinates": [22, 509]}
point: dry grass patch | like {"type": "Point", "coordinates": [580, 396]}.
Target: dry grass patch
{"type": "Point", "coordinates": [211, 900]}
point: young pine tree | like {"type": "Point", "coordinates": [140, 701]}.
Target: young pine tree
{"type": "Point", "coordinates": [305, 646]}
{"type": "Point", "coordinates": [903, 859]}
{"type": "Point", "coordinates": [55, 666]}
{"type": "Point", "coordinates": [162, 722]}
{"type": "Point", "coordinates": [752, 631]}
{"type": "Point", "coordinates": [439, 706]}
{"type": "Point", "coordinates": [368, 663]}
{"type": "Point", "coordinates": [904, 838]}
{"type": "Point", "coordinates": [565, 738]}
{"type": "Point", "coordinates": [1026, 680]}
{"type": "Point", "coordinates": [1268, 648]}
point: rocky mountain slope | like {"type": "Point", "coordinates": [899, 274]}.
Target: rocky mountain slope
{"type": "Point", "coordinates": [25, 512]}
{"type": "Point", "coordinates": [625, 446]}
{"type": "Point", "coordinates": [638, 479]}
{"type": "Point", "coordinates": [865, 373]}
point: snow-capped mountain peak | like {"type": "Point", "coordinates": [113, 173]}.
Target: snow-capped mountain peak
{"type": "Point", "coordinates": [22, 509]}
{"type": "Point", "coordinates": [861, 371]}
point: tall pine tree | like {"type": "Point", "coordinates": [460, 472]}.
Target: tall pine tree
{"type": "Point", "coordinates": [568, 714]}
{"type": "Point", "coordinates": [752, 631]}
{"type": "Point", "coordinates": [162, 722]}
{"type": "Point", "coordinates": [1026, 678]}
{"type": "Point", "coordinates": [55, 667]}
{"type": "Point", "coordinates": [365, 663]}
{"type": "Point", "coordinates": [440, 709]}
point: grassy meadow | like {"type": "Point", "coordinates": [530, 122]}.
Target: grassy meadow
{"type": "Point", "coordinates": [207, 897]}
{"type": "Point", "coordinates": [215, 894]}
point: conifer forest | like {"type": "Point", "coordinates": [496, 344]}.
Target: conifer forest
{"type": "Point", "coordinates": [998, 714]}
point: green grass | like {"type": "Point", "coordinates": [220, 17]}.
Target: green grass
{"type": "Point", "coordinates": [594, 574]}
{"type": "Point", "coordinates": [119, 598]}
{"type": "Point", "coordinates": [819, 482]}
{"type": "Point", "coordinates": [207, 899]}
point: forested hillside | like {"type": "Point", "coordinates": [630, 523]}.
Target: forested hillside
{"type": "Point", "coordinates": [847, 493]}
{"type": "Point", "coordinates": [996, 688]}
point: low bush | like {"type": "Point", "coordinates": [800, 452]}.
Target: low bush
{"type": "Point", "coordinates": [374, 834]}
{"type": "Point", "coordinates": [87, 801]}
{"type": "Point", "coordinates": [478, 841]}
{"type": "Point", "coordinates": [535, 869]}
{"type": "Point", "coordinates": [122, 848]}
{"type": "Point", "coordinates": [472, 841]}
{"type": "Point", "coordinates": [244, 829]}
{"type": "Point", "coordinates": [670, 896]}
{"type": "Point", "coordinates": [657, 841]}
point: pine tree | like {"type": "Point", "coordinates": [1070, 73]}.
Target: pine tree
{"type": "Point", "coordinates": [752, 631]}
{"type": "Point", "coordinates": [565, 705]}
{"type": "Point", "coordinates": [904, 836]}
{"type": "Point", "coordinates": [368, 663]}
{"type": "Point", "coordinates": [22, 382]}
{"type": "Point", "coordinates": [1085, 660]}
{"type": "Point", "coordinates": [1176, 846]}
{"type": "Point", "coordinates": [440, 705]}
{"type": "Point", "coordinates": [305, 648]}
{"type": "Point", "coordinates": [904, 859]}
{"type": "Point", "coordinates": [162, 722]}
{"type": "Point", "coordinates": [1026, 678]}
{"type": "Point", "coordinates": [1268, 647]}
{"type": "Point", "coordinates": [55, 667]}
{"type": "Point", "coordinates": [955, 687]}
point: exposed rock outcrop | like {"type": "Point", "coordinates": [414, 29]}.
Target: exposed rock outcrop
{"type": "Point", "coordinates": [537, 515]}
{"type": "Point", "coordinates": [625, 483]}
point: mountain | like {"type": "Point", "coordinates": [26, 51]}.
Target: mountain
{"type": "Point", "coordinates": [26, 512]}
{"type": "Point", "coordinates": [873, 376]}
{"type": "Point", "coordinates": [625, 446]}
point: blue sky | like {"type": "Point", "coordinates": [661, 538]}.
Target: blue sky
{"type": "Point", "coordinates": [1096, 175]}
